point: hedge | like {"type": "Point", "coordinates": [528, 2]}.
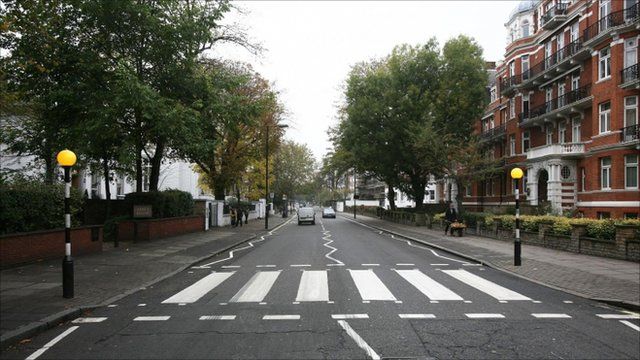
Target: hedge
{"type": "Point", "coordinates": [32, 206]}
{"type": "Point", "coordinates": [165, 204]}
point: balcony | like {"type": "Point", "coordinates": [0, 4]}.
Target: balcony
{"type": "Point", "coordinates": [556, 63]}
{"type": "Point", "coordinates": [567, 150]}
{"type": "Point", "coordinates": [630, 133]}
{"type": "Point", "coordinates": [508, 85]}
{"type": "Point", "coordinates": [562, 106]}
{"type": "Point", "coordinates": [554, 16]}
{"type": "Point", "coordinates": [490, 135]}
{"type": "Point", "coordinates": [614, 23]}
{"type": "Point", "coordinates": [629, 77]}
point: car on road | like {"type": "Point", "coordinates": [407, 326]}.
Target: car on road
{"type": "Point", "coordinates": [328, 213]}
{"type": "Point", "coordinates": [306, 214]}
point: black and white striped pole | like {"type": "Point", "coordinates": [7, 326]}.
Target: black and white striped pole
{"type": "Point", "coordinates": [66, 159]}
{"type": "Point", "coordinates": [516, 174]}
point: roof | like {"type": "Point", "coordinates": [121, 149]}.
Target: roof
{"type": "Point", "coordinates": [523, 6]}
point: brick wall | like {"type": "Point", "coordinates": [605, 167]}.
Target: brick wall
{"type": "Point", "coordinates": [159, 228]}
{"type": "Point", "coordinates": [42, 245]}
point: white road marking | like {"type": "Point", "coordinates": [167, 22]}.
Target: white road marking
{"type": "Point", "coordinates": [230, 266]}
{"type": "Point", "coordinates": [486, 286]}
{"type": "Point", "coordinates": [417, 316]}
{"type": "Point", "coordinates": [370, 264]}
{"type": "Point", "coordinates": [631, 325]}
{"type": "Point", "coordinates": [257, 288]}
{"type": "Point", "coordinates": [439, 264]}
{"type": "Point", "coordinates": [551, 316]}
{"type": "Point", "coordinates": [405, 264]}
{"type": "Point", "coordinates": [432, 289]}
{"type": "Point", "coordinates": [86, 320]}
{"type": "Point", "coordinates": [281, 317]}
{"type": "Point", "coordinates": [619, 316]}
{"type": "Point", "coordinates": [468, 301]}
{"type": "Point", "coordinates": [536, 301]}
{"type": "Point", "coordinates": [300, 265]}
{"type": "Point", "coordinates": [194, 292]}
{"type": "Point", "coordinates": [314, 286]}
{"type": "Point", "coordinates": [112, 306]}
{"type": "Point", "coordinates": [434, 302]}
{"type": "Point", "coordinates": [262, 303]}
{"type": "Point", "coordinates": [360, 341]}
{"type": "Point", "coordinates": [182, 304]}
{"type": "Point", "coordinates": [335, 264]}
{"type": "Point", "coordinates": [444, 257]}
{"type": "Point", "coordinates": [503, 302]}
{"type": "Point", "coordinates": [152, 318]}
{"type": "Point", "coordinates": [349, 316]}
{"type": "Point", "coordinates": [265, 266]}
{"type": "Point", "coordinates": [296, 302]}
{"type": "Point", "coordinates": [48, 345]}
{"type": "Point", "coordinates": [568, 302]}
{"type": "Point", "coordinates": [366, 301]}
{"type": "Point", "coordinates": [327, 238]}
{"type": "Point", "coordinates": [142, 305]}
{"type": "Point", "coordinates": [398, 302]}
{"type": "Point", "coordinates": [223, 304]}
{"type": "Point", "coordinates": [485, 316]}
{"type": "Point", "coordinates": [217, 317]}
{"type": "Point", "coordinates": [370, 286]}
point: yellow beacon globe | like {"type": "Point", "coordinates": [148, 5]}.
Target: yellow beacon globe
{"type": "Point", "coordinates": [66, 158]}
{"type": "Point", "coordinates": [516, 173]}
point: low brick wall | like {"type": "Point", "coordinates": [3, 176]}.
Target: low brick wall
{"type": "Point", "coordinates": [145, 230]}
{"type": "Point", "coordinates": [49, 244]}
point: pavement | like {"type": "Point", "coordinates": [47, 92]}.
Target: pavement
{"type": "Point", "coordinates": [31, 295]}
{"type": "Point", "coordinates": [597, 278]}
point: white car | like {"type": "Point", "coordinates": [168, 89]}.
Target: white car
{"type": "Point", "coordinates": [328, 213]}
{"type": "Point", "coordinates": [306, 214]}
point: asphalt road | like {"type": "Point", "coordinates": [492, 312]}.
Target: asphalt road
{"type": "Point", "coordinates": [340, 290]}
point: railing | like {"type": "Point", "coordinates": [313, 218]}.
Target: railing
{"type": "Point", "coordinates": [556, 103]}
{"type": "Point", "coordinates": [494, 132]}
{"type": "Point", "coordinates": [508, 83]}
{"type": "Point", "coordinates": [629, 74]}
{"type": "Point", "coordinates": [559, 9]}
{"type": "Point", "coordinates": [614, 19]}
{"type": "Point", "coordinates": [556, 149]}
{"type": "Point", "coordinates": [630, 133]}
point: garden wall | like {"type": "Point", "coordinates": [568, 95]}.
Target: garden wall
{"type": "Point", "coordinates": [151, 229]}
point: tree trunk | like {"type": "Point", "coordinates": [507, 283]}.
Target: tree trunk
{"type": "Point", "coordinates": [218, 192]}
{"type": "Point", "coordinates": [417, 188]}
{"type": "Point", "coordinates": [391, 195]}
{"type": "Point", "coordinates": [139, 148]}
{"type": "Point", "coordinates": [49, 169]}
{"type": "Point", "coordinates": [459, 196]}
{"type": "Point", "coordinates": [156, 161]}
{"type": "Point", "coordinates": [107, 190]}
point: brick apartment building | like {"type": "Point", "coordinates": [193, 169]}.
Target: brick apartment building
{"type": "Point", "coordinates": [564, 108]}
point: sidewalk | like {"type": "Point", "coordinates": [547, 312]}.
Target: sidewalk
{"type": "Point", "coordinates": [31, 295]}
{"type": "Point", "coordinates": [597, 278]}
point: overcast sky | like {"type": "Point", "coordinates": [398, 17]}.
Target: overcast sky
{"type": "Point", "coordinates": [310, 46]}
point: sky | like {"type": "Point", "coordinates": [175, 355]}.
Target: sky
{"type": "Point", "coordinates": [310, 46]}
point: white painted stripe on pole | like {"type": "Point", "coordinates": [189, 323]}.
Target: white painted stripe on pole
{"type": "Point", "coordinates": [486, 286]}
{"type": "Point", "coordinates": [67, 220]}
{"type": "Point", "coordinates": [517, 233]}
{"type": "Point", "coordinates": [257, 288]}
{"type": "Point", "coordinates": [551, 316]}
{"type": "Point", "coordinates": [152, 318]}
{"type": "Point", "coordinates": [485, 316]}
{"type": "Point", "coordinates": [349, 316]}
{"type": "Point", "coordinates": [431, 288]}
{"type": "Point", "coordinates": [417, 316]}
{"type": "Point", "coordinates": [217, 317]}
{"type": "Point", "coordinates": [370, 286]}
{"type": "Point", "coordinates": [360, 341]}
{"type": "Point", "coordinates": [67, 190]}
{"type": "Point", "coordinates": [48, 345]}
{"type": "Point", "coordinates": [314, 286]}
{"type": "Point", "coordinates": [67, 249]}
{"type": "Point", "coordinates": [87, 320]}
{"type": "Point", "coordinates": [199, 289]}
{"type": "Point", "coordinates": [619, 316]}
{"type": "Point", "coordinates": [281, 317]}
{"type": "Point", "coordinates": [631, 325]}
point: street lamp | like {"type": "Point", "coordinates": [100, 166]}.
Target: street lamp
{"type": "Point", "coordinates": [266, 176]}
{"type": "Point", "coordinates": [516, 174]}
{"type": "Point", "coordinates": [66, 159]}
{"type": "Point", "coordinates": [354, 192]}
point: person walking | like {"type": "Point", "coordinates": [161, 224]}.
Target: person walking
{"type": "Point", "coordinates": [246, 216]}
{"type": "Point", "coordinates": [240, 213]}
{"type": "Point", "coordinates": [450, 216]}
{"type": "Point", "coordinates": [233, 215]}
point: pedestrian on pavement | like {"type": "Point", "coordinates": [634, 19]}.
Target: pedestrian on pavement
{"type": "Point", "coordinates": [240, 213]}
{"type": "Point", "coordinates": [233, 216]}
{"type": "Point", "coordinates": [450, 216]}
{"type": "Point", "coordinates": [246, 216]}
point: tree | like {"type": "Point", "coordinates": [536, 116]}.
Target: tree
{"type": "Point", "coordinates": [293, 168]}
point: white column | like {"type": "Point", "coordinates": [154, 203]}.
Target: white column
{"type": "Point", "coordinates": [532, 185]}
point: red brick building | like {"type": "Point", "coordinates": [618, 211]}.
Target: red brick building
{"type": "Point", "coordinates": [564, 108]}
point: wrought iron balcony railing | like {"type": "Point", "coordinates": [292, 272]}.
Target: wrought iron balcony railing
{"type": "Point", "coordinates": [556, 103]}
{"type": "Point", "coordinates": [615, 19]}
{"type": "Point", "coordinates": [493, 133]}
{"type": "Point", "coordinates": [556, 11]}
{"type": "Point", "coordinates": [630, 133]}
{"type": "Point", "coordinates": [629, 74]}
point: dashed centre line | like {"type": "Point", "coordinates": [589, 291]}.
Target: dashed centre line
{"type": "Point", "coordinates": [485, 316]}
{"type": "Point", "coordinates": [217, 317]}
{"type": "Point", "coordinates": [349, 316]}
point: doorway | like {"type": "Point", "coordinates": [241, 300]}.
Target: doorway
{"type": "Point", "coordinates": [543, 177]}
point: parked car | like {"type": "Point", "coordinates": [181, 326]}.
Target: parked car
{"type": "Point", "coordinates": [306, 214]}
{"type": "Point", "coordinates": [328, 213]}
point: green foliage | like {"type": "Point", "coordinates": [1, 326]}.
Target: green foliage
{"type": "Point", "coordinates": [602, 229]}
{"type": "Point", "coordinates": [32, 206]}
{"type": "Point", "coordinates": [165, 204]}
{"type": "Point", "coordinates": [110, 227]}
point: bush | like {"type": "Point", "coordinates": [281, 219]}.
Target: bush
{"type": "Point", "coordinates": [30, 205]}
{"type": "Point", "coordinates": [602, 229]}
{"type": "Point", "coordinates": [110, 227]}
{"type": "Point", "coordinates": [165, 204]}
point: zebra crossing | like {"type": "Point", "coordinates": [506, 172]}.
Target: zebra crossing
{"type": "Point", "coordinates": [314, 286]}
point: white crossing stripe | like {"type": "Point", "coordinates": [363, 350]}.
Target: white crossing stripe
{"type": "Point", "coordinates": [551, 316]}
{"type": "Point", "coordinates": [370, 286]}
{"type": "Point", "coordinates": [151, 318]}
{"type": "Point", "coordinates": [485, 316]}
{"type": "Point", "coordinates": [349, 316]}
{"type": "Point", "coordinates": [314, 286]}
{"type": "Point", "coordinates": [486, 286]}
{"type": "Point", "coordinates": [417, 316]}
{"type": "Point", "coordinates": [48, 345]}
{"type": "Point", "coordinates": [631, 325]}
{"type": "Point", "coordinates": [86, 320]}
{"type": "Point", "coordinates": [257, 288]}
{"type": "Point", "coordinates": [281, 317]}
{"type": "Point", "coordinates": [194, 292]}
{"type": "Point", "coordinates": [432, 289]}
{"type": "Point", "coordinates": [619, 316]}
{"type": "Point", "coordinates": [217, 317]}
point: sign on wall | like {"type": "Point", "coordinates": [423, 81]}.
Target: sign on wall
{"type": "Point", "coordinates": [142, 211]}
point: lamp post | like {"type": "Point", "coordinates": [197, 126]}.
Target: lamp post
{"type": "Point", "coordinates": [266, 176]}
{"type": "Point", "coordinates": [66, 159]}
{"type": "Point", "coordinates": [516, 174]}
{"type": "Point", "coordinates": [354, 192]}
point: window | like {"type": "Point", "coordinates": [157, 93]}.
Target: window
{"type": "Point", "coordinates": [525, 104]}
{"type": "Point", "coordinates": [560, 45]}
{"type": "Point", "coordinates": [604, 65]}
{"type": "Point", "coordinates": [630, 215]}
{"type": "Point", "coordinates": [630, 51]}
{"type": "Point", "coordinates": [549, 134]}
{"type": "Point", "coordinates": [562, 132]}
{"type": "Point", "coordinates": [494, 93]}
{"type": "Point", "coordinates": [526, 142]}
{"type": "Point", "coordinates": [547, 54]}
{"type": "Point", "coordinates": [575, 81]}
{"type": "Point", "coordinates": [512, 108]}
{"type": "Point", "coordinates": [605, 9]}
{"type": "Point", "coordinates": [605, 117]}
{"type": "Point", "coordinates": [574, 31]}
{"type": "Point", "coordinates": [583, 179]}
{"type": "Point", "coordinates": [630, 111]}
{"type": "Point", "coordinates": [491, 123]}
{"type": "Point", "coordinates": [561, 91]}
{"type": "Point", "coordinates": [576, 124]}
{"type": "Point", "coordinates": [525, 28]}
{"type": "Point", "coordinates": [525, 67]}
{"type": "Point", "coordinates": [467, 191]}
{"type": "Point", "coordinates": [512, 68]}
{"type": "Point", "coordinates": [512, 144]}
{"type": "Point", "coordinates": [565, 172]}
{"type": "Point", "coordinates": [605, 173]}
{"type": "Point", "coordinates": [603, 215]}
{"type": "Point", "coordinates": [631, 171]}
{"type": "Point", "coordinates": [548, 96]}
